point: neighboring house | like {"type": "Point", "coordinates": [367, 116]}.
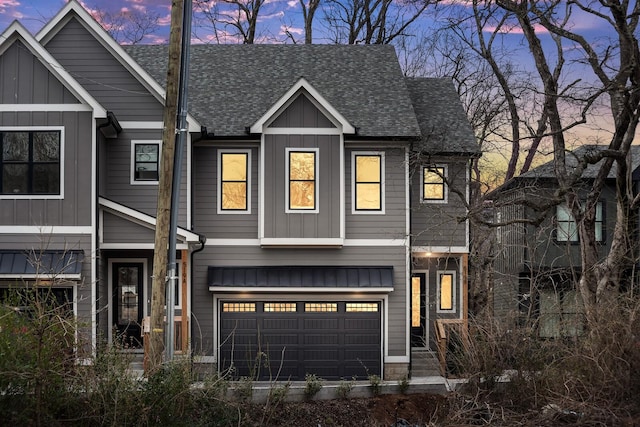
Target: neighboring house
{"type": "Point", "coordinates": [538, 265]}
{"type": "Point", "coordinates": [322, 202]}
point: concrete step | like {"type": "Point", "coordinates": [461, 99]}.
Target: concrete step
{"type": "Point", "coordinates": [424, 364]}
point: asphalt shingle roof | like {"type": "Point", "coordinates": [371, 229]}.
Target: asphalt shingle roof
{"type": "Point", "coordinates": [232, 86]}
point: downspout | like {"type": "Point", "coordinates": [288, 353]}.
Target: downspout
{"type": "Point", "coordinates": [182, 129]}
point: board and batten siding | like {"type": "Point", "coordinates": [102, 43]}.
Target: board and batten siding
{"type": "Point", "coordinates": [25, 80]}
{"type": "Point", "coordinates": [108, 81]}
{"type": "Point", "coordinates": [325, 223]}
{"type": "Point", "coordinates": [117, 172]}
{"type": "Point", "coordinates": [303, 114]}
{"type": "Point", "coordinates": [75, 208]}
{"type": "Point", "coordinates": [202, 298]}
{"type": "Point", "coordinates": [392, 223]}
{"type": "Point", "coordinates": [438, 224]}
{"type": "Point", "coordinates": [207, 220]}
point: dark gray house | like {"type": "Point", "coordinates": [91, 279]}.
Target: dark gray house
{"type": "Point", "coordinates": [322, 210]}
{"type": "Point", "coordinates": [537, 265]}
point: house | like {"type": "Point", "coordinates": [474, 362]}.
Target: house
{"type": "Point", "coordinates": [537, 257]}
{"type": "Point", "coordinates": [322, 215]}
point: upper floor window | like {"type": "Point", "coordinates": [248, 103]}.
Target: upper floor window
{"type": "Point", "coordinates": [434, 186]}
{"type": "Point", "coordinates": [567, 229]}
{"type": "Point", "coordinates": [302, 175]}
{"type": "Point", "coordinates": [368, 186]}
{"type": "Point", "coordinates": [30, 162]}
{"type": "Point", "coordinates": [233, 181]}
{"type": "Point", "coordinates": [145, 162]}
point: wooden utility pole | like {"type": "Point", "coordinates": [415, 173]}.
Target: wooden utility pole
{"type": "Point", "coordinates": [163, 216]}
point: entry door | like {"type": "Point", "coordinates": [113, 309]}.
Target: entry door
{"type": "Point", "coordinates": [418, 310]}
{"type": "Point", "coordinates": [127, 303]}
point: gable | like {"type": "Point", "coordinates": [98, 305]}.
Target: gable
{"type": "Point", "coordinates": [25, 80]}
{"type": "Point", "coordinates": [100, 73]}
{"type": "Point", "coordinates": [301, 113]}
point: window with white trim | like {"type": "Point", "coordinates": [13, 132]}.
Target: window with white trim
{"type": "Point", "coordinates": [30, 162]}
{"type": "Point", "coordinates": [434, 186]}
{"type": "Point", "coordinates": [302, 180]}
{"type": "Point", "coordinates": [234, 181]}
{"type": "Point", "coordinates": [145, 162]}
{"type": "Point", "coordinates": [368, 182]}
{"type": "Point", "coordinates": [446, 291]}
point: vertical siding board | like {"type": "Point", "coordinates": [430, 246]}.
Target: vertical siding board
{"type": "Point", "coordinates": [102, 75]}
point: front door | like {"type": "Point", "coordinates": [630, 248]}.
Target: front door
{"type": "Point", "coordinates": [418, 310]}
{"type": "Point", "coordinates": [127, 303]}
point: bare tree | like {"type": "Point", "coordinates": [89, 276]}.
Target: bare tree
{"type": "Point", "coordinates": [231, 19]}
{"type": "Point", "coordinates": [129, 26]}
{"type": "Point", "coordinates": [370, 21]}
{"type": "Point", "coordinates": [308, 13]}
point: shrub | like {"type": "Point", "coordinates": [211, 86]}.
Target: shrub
{"type": "Point", "coordinates": [313, 385]}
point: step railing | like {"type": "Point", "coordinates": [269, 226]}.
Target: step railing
{"type": "Point", "coordinates": [445, 329]}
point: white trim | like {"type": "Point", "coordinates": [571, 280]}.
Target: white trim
{"type": "Point", "coordinates": [141, 125]}
{"type": "Point", "coordinates": [219, 154]}
{"type": "Point", "coordinates": [132, 173]}
{"type": "Point", "coordinates": [397, 359]}
{"type": "Point", "coordinates": [109, 304]}
{"type": "Point", "coordinates": [232, 242]}
{"type": "Point", "coordinates": [51, 64]}
{"type": "Point", "coordinates": [312, 242]}
{"type": "Point", "coordinates": [125, 246]}
{"type": "Point", "coordinates": [444, 183]}
{"type": "Point", "coordinates": [376, 242]}
{"type": "Point", "coordinates": [408, 260]}
{"type": "Point", "coordinates": [144, 218]}
{"type": "Point", "coordinates": [355, 211]}
{"type": "Point", "coordinates": [302, 131]}
{"type": "Point", "coordinates": [301, 290]}
{"type": "Point", "coordinates": [454, 300]}
{"type": "Point", "coordinates": [44, 107]}
{"type": "Point", "coordinates": [31, 196]}
{"type": "Point", "coordinates": [45, 229]}
{"type": "Point", "coordinates": [52, 27]}
{"type": "Point", "coordinates": [440, 249]}
{"type": "Point", "coordinates": [316, 180]}
{"type": "Point", "coordinates": [94, 241]}
{"type": "Point", "coordinates": [298, 242]}
{"type": "Point", "coordinates": [318, 100]}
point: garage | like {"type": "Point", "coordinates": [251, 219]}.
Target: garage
{"type": "Point", "coordinates": [285, 340]}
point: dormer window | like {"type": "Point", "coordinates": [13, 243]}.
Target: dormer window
{"type": "Point", "coordinates": [302, 174]}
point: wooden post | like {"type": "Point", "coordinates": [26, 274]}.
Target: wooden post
{"type": "Point", "coordinates": [160, 258]}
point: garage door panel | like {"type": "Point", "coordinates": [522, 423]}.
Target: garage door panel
{"type": "Point", "coordinates": [325, 340]}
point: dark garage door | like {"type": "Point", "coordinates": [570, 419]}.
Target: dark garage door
{"type": "Point", "coordinates": [287, 340]}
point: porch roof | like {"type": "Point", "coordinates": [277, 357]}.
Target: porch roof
{"type": "Point", "coordinates": [361, 279]}
{"type": "Point", "coordinates": [50, 263]}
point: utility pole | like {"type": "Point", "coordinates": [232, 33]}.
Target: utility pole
{"type": "Point", "coordinates": [163, 216]}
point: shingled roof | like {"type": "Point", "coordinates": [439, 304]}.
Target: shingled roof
{"type": "Point", "coordinates": [232, 86]}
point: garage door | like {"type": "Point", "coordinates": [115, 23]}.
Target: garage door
{"type": "Point", "coordinates": [287, 340]}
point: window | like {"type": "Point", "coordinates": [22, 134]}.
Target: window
{"type": "Point", "coordinates": [146, 162]}
{"type": "Point", "coordinates": [446, 291]}
{"type": "Point", "coordinates": [567, 229]}
{"type": "Point", "coordinates": [434, 186]}
{"type": "Point", "coordinates": [239, 307]}
{"type": "Point", "coordinates": [302, 188]}
{"type": "Point", "coordinates": [233, 181]}
{"type": "Point", "coordinates": [561, 313]}
{"type": "Point", "coordinates": [361, 307]}
{"type": "Point", "coordinates": [320, 307]}
{"type": "Point", "coordinates": [280, 307]}
{"type": "Point", "coordinates": [368, 189]}
{"type": "Point", "coordinates": [30, 161]}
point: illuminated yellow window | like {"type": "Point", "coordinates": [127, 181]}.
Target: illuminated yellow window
{"type": "Point", "coordinates": [446, 291]}
{"type": "Point", "coordinates": [361, 307]}
{"type": "Point", "coordinates": [433, 183]}
{"type": "Point", "coordinates": [302, 180]}
{"type": "Point", "coordinates": [239, 307]}
{"type": "Point", "coordinates": [280, 307]}
{"type": "Point", "coordinates": [320, 307]}
{"type": "Point", "coordinates": [415, 302]}
{"type": "Point", "coordinates": [368, 182]}
{"type": "Point", "coordinates": [233, 176]}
